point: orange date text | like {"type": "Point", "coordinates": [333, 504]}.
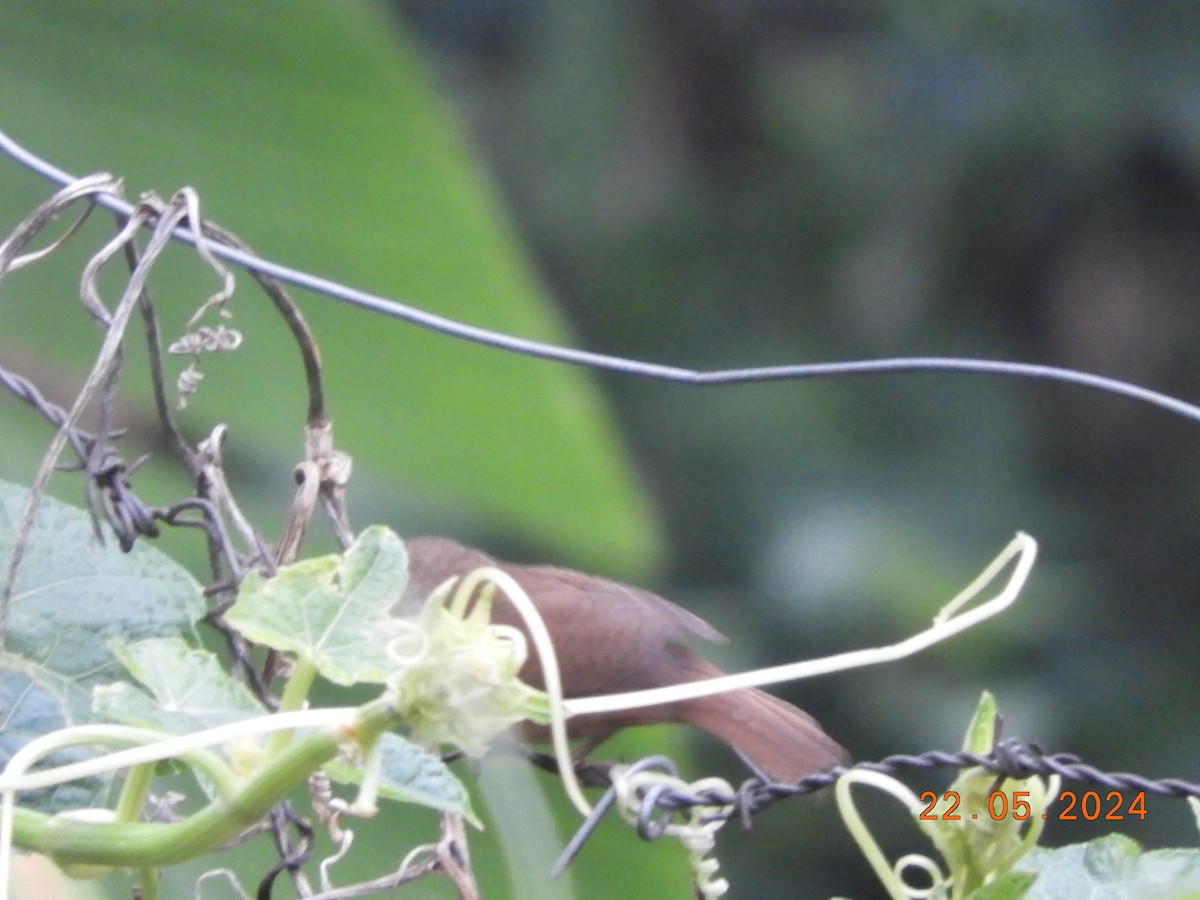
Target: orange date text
{"type": "Point", "coordinates": [1089, 806]}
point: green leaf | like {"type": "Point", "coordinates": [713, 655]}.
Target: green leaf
{"type": "Point", "coordinates": [981, 733]}
{"type": "Point", "coordinates": [191, 690]}
{"type": "Point", "coordinates": [1010, 886]}
{"type": "Point", "coordinates": [1113, 866]}
{"type": "Point", "coordinates": [312, 130]}
{"type": "Point", "coordinates": [35, 701]}
{"type": "Point", "coordinates": [411, 774]}
{"type": "Point", "coordinates": [73, 597]}
{"type": "Point", "coordinates": [333, 611]}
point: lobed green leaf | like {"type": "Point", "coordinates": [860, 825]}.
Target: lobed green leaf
{"type": "Point", "coordinates": [73, 597]}
{"type": "Point", "coordinates": [333, 611]}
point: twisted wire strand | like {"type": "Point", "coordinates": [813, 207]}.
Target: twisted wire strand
{"type": "Point", "coordinates": [1009, 759]}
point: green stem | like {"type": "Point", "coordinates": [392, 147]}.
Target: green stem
{"type": "Point", "coordinates": [142, 845]}
{"type": "Point", "coordinates": [295, 692]}
{"type": "Point", "coordinates": [133, 792]}
{"type": "Point", "coordinates": [149, 883]}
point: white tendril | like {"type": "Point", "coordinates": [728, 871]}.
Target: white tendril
{"type": "Point", "coordinates": [213, 874]}
{"type": "Point", "coordinates": [891, 877]}
{"type": "Point", "coordinates": [697, 833]}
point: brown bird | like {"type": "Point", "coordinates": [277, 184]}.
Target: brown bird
{"type": "Point", "coordinates": [609, 638]}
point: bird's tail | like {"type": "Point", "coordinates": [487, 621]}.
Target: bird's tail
{"type": "Point", "coordinates": [785, 742]}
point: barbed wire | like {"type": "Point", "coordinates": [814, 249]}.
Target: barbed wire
{"type": "Point", "coordinates": [124, 511]}
{"type": "Point", "coordinates": [1011, 758]}
{"type": "Point", "coordinates": [111, 499]}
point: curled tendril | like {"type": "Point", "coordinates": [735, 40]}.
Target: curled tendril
{"type": "Point", "coordinates": [697, 832]}
{"type": "Point", "coordinates": [890, 877]}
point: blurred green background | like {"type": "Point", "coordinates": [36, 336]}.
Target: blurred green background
{"type": "Point", "coordinates": [710, 184]}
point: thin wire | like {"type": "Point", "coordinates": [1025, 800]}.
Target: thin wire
{"type": "Point", "coordinates": [605, 362]}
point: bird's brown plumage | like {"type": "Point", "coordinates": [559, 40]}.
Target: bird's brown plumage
{"type": "Point", "coordinates": [610, 637]}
